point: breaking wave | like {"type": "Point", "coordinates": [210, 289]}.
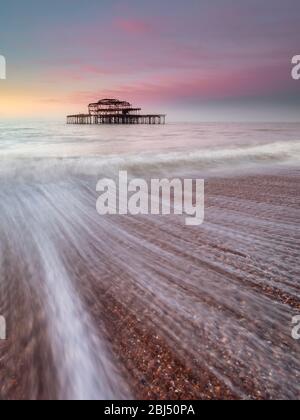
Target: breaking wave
{"type": "Point", "coordinates": [206, 161]}
{"type": "Point", "coordinates": [221, 296]}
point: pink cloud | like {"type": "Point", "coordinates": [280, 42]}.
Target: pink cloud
{"type": "Point", "coordinates": [133, 26]}
{"type": "Point", "coordinates": [75, 73]}
{"type": "Point", "coordinates": [210, 85]}
{"type": "Point", "coordinates": [194, 85]}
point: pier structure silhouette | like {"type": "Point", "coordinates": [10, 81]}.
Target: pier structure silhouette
{"type": "Point", "coordinates": [114, 111]}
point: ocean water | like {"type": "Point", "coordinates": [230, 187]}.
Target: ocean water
{"type": "Point", "coordinates": [54, 149]}
{"type": "Point", "coordinates": [221, 295]}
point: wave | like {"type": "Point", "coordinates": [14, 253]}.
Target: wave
{"type": "Point", "coordinates": [221, 296]}
{"type": "Point", "coordinates": [208, 160]}
{"type": "Point", "coordinates": [218, 295]}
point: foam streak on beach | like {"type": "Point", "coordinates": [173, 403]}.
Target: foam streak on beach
{"type": "Point", "coordinates": [146, 307]}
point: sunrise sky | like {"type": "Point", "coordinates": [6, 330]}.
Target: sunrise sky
{"type": "Point", "coordinates": [205, 60]}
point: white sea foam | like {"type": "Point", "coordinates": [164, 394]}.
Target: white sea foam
{"type": "Point", "coordinates": [206, 160]}
{"type": "Point", "coordinates": [198, 288]}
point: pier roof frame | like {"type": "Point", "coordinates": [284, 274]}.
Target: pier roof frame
{"type": "Point", "coordinates": [110, 106]}
{"type": "Point", "coordinates": [111, 103]}
{"type": "Point", "coordinates": [114, 111]}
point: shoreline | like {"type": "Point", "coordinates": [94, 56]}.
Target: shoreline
{"type": "Point", "coordinates": [177, 317]}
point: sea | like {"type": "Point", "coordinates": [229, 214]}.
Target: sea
{"type": "Point", "coordinates": [222, 296]}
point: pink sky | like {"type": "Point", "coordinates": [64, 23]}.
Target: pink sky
{"type": "Point", "coordinates": [165, 57]}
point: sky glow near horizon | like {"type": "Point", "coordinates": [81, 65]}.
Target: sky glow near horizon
{"type": "Point", "coordinates": [197, 60]}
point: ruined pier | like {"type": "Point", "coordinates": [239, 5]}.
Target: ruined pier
{"type": "Point", "coordinates": [113, 111]}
